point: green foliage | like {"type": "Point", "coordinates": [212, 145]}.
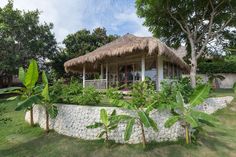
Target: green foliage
{"type": "Point", "coordinates": [47, 101]}
{"type": "Point", "coordinates": [29, 93]}
{"type": "Point", "coordinates": [141, 103]}
{"type": "Point", "coordinates": [23, 37]}
{"type": "Point", "coordinates": [199, 94]}
{"type": "Point", "coordinates": [77, 44]}
{"type": "Point", "coordinates": [129, 129]}
{"type": "Point", "coordinates": [188, 115]}
{"type": "Point", "coordinates": [65, 93]}
{"type": "Point", "coordinates": [31, 76]}
{"type": "Point", "coordinates": [74, 93]}
{"type": "Point", "coordinates": [3, 119]}
{"type": "Point", "coordinates": [28, 103]}
{"type": "Point", "coordinates": [107, 123]}
{"type": "Point", "coordinates": [161, 18]}
{"type": "Point", "coordinates": [217, 67]}
{"type": "Point", "coordinates": [89, 96]}
{"type": "Point", "coordinates": [167, 96]}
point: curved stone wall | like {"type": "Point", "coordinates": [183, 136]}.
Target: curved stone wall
{"type": "Point", "coordinates": [73, 119]}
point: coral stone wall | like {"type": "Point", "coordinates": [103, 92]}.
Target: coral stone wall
{"type": "Point", "coordinates": [73, 119]}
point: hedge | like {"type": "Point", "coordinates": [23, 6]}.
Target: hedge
{"type": "Point", "coordinates": [217, 67]}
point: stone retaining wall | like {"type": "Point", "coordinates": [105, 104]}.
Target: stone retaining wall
{"type": "Point", "coordinates": [73, 119]}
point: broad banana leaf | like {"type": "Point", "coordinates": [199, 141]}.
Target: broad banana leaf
{"type": "Point", "coordinates": [52, 110]}
{"type": "Point", "coordinates": [144, 119]}
{"type": "Point", "coordinates": [93, 126]}
{"type": "Point", "coordinates": [199, 94]}
{"type": "Point", "coordinates": [28, 102]}
{"type": "Point", "coordinates": [129, 128]}
{"type": "Point", "coordinates": [21, 75]}
{"type": "Point", "coordinates": [44, 78]}
{"type": "Point", "coordinates": [31, 76]}
{"type": "Point", "coordinates": [153, 123]}
{"type": "Point", "coordinates": [104, 117]}
{"type": "Point", "coordinates": [101, 134]}
{"type": "Point", "coordinates": [171, 121]}
{"type": "Point", "coordinates": [203, 116]}
{"type": "Point", "coordinates": [45, 93]}
{"type": "Point", "coordinates": [179, 100]}
{"type": "Point", "coordinates": [10, 90]}
{"type": "Point", "coordinates": [190, 120]}
{"type": "Point", "coordinates": [112, 127]}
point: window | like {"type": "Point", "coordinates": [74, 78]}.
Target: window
{"type": "Point", "coordinates": [171, 70]}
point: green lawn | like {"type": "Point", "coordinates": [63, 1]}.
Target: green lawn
{"type": "Point", "coordinates": [18, 139]}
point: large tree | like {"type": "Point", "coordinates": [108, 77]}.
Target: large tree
{"type": "Point", "coordinates": [23, 37]}
{"type": "Point", "coordinates": [77, 44]}
{"type": "Point", "coordinates": [199, 24]}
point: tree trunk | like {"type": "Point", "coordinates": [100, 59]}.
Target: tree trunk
{"type": "Point", "coordinates": [31, 117]}
{"type": "Point", "coordinates": [193, 72]}
{"type": "Point", "coordinates": [47, 121]}
{"type": "Point", "coordinates": [143, 134]}
{"type": "Point", "coordinates": [187, 134]}
{"type": "Point", "coordinates": [106, 136]}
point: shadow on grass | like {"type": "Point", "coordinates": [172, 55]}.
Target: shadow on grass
{"type": "Point", "coordinates": [57, 145]}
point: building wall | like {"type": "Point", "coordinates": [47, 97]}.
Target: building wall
{"type": "Point", "coordinates": [228, 82]}
{"type": "Point", "coordinates": [73, 119]}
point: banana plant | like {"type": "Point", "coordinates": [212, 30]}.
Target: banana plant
{"type": "Point", "coordinates": [213, 78]}
{"type": "Point", "coordinates": [189, 117]}
{"type": "Point", "coordinates": [107, 123]}
{"type": "Point", "coordinates": [29, 93]}
{"type": "Point", "coordinates": [46, 102]}
{"type": "Point", "coordinates": [141, 103]}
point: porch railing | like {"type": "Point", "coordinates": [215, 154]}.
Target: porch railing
{"type": "Point", "coordinates": [97, 84]}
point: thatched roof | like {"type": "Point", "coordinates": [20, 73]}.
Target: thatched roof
{"type": "Point", "coordinates": [124, 45]}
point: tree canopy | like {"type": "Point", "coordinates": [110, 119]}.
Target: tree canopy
{"type": "Point", "coordinates": [80, 43]}
{"type": "Point", "coordinates": [202, 25]}
{"type": "Point", "coordinates": [23, 37]}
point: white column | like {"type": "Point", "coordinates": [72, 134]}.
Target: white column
{"type": "Point", "coordinates": [106, 75]}
{"type": "Point", "coordinates": [160, 73]}
{"type": "Point", "coordinates": [101, 76]}
{"type": "Point", "coordinates": [83, 75]}
{"type": "Point", "coordinates": [143, 68]}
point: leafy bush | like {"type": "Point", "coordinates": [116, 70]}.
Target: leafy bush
{"type": "Point", "coordinates": [107, 123]}
{"type": "Point", "coordinates": [167, 96]}
{"type": "Point", "coordinates": [191, 119]}
{"type": "Point", "coordinates": [89, 96]}
{"type": "Point", "coordinates": [217, 67]}
{"type": "Point", "coordinates": [65, 93]}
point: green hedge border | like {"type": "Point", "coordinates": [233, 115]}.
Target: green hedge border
{"type": "Point", "coordinates": [216, 67]}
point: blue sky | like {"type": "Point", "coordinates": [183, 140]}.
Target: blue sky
{"type": "Point", "coordinates": [68, 16]}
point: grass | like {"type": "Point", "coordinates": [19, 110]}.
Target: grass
{"type": "Point", "coordinates": [18, 139]}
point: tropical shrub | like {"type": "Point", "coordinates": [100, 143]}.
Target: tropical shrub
{"type": "Point", "coordinates": [89, 96]}
{"type": "Point", "coordinates": [212, 78]}
{"type": "Point", "coordinates": [167, 95]}
{"type": "Point", "coordinates": [189, 117]}
{"type": "Point", "coordinates": [65, 93]}
{"type": "Point", "coordinates": [47, 102]}
{"type": "Point", "coordinates": [141, 103]}
{"type": "Point", "coordinates": [217, 67]}
{"type": "Point", "coordinates": [29, 93]}
{"type": "Point", "coordinates": [107, 123]}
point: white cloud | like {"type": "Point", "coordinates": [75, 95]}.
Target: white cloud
{"type": "Point", "coordinates": [69, 16]}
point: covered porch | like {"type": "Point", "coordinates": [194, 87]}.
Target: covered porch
{"type": "Point", "coordinates": [127, 60]}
